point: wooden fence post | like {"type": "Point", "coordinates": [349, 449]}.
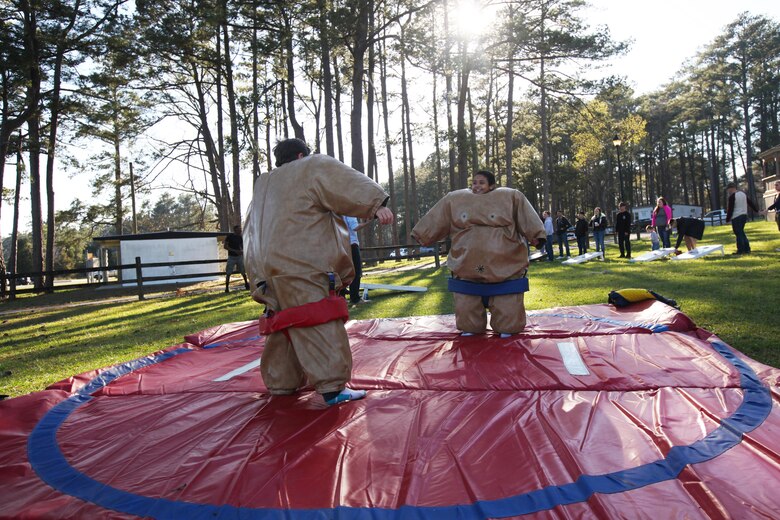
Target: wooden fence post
{"type": "Point", "coordinates": [139, 278]}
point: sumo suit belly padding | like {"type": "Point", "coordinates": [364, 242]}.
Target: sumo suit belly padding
{"type": "Point", "coordinates": [294, 237]}
{"type": "Point", "coordinates": [487, 233]}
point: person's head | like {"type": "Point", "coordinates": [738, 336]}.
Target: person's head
{"type": "Point", "coordinates": [559, 213]}
{"type": "Point", "coordinates": [731, 188]}
{"type": "Point", "coordinates": [237, 229]}
{"type": "Point", "coordinates": [673, 223]}
{"type": "Point", "coordinates": [581, 215]}
{"type": "Point", "coordinates": [660, 202]}
{"type": "Point", "coordinates": [545, 213]}
{"type": "Point", "coordinates": [290, 150]}
{"type": "Point", "coordinates": [777, 185]}
{"type": "Point", "coordinates": [649, 228]}
{"type": "Point", "coordinates": [596, 211]}
{"type": "Point", "coordinates": [623, 206]}
{"type": "Point", "coordinates": [483, 182]}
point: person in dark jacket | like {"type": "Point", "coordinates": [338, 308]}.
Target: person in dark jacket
{"type": "Point", "coordinates": [688, 229]}
{"type": "Point", "coordinates": [562, 226]}
{"type": "Point", "coordinates": [581, 232]}
{"type": "Point", "coordinates": [623, 230]}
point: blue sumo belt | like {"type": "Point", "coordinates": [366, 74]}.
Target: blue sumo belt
{"type": "Point", "coordinates": [486, 290]}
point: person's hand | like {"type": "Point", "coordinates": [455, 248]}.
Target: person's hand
{"type": "Point", "coordinates": [763, 212]}
{"type": "Point", "coordinates": [384, 216]}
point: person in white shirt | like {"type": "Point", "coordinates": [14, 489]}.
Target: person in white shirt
{"type": "Point", "coordinates": [550, 231]}
{"type": "Point", "coordinates": [736, 213]}
{"type": "Point", "coordinates": [354, 242]}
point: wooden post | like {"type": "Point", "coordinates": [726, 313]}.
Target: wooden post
{"type": "Point", "coordinates": [139, 278]}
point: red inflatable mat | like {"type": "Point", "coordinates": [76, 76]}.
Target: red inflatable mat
{"type": "Point", "coordinates": [592, 412]}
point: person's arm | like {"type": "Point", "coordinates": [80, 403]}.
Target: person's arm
{"type": "Point", "coordinates": [343, 190]}
{"type": "Point", "coordinates": [435, 225]}
{"type": "Point", "coordinates": [680, 235]}
{"type": "Point", "coordinates": [730, 207]}
{"type": "Point", "coordinates": [528, 222]}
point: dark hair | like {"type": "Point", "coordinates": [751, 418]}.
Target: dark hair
{"type": "Point", "coordinates": [288, 150]}
{"type": "Point", "coordinates": [731, 185]}
{"type": "Point", "coordinates": [490, 176]}
{"type": "Point", "coordinates": [623, 205]}
{"type": "Point", "coordinates": [655, 210]}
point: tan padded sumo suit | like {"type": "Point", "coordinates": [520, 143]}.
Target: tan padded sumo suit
{"type": "Point", "coordinates": [293, 237]}
{"type": "Point", "coordinates": [487, 233]}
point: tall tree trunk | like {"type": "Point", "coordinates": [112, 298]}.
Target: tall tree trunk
{"type": "Point", "coordinates": [448, 98]}
{"type": "Point", "coordinates": [489, 100]}
{"type": "Point", "coordinates": [255, 99]}
{"type": "Point", "coordinates": [472, 134]}
{"type": "Point", "coordinates": [118, 209]}
{"type": "Point", "coordinates": [132, 201]}
{"type": "Point", "coordinates": [359, 46]}
{"type": "Point", "coordinates": [371, 170]}
{"type": "Point", "coordinates": [327, 77]}
{"type": "Point", "coordinates": [289, 55]}
{"type": "Point", "coordinates": [269, 103]}
{"type": "Point", "coordinates": [437, 138]}
{"type": "Point", "coordinates": [405, 162]}
{"type": "Point", "coordinates": [411, 210]}
{"type": "Point", "coordinates": [216, 175]}
{"type": "Point", "coordinates": [337, 102]}
{"type": "Point", "coordinates": [751, 185]}
{"type": "Point", "coordinates": [220, 118]}
{"type": "Point", "coordinates": [545, 139]}
{"type": "Point", "coordinates": [233, 113]}
{"type": "Point", "coordinates": [10, 124]}
{"type": "Point", "coordinates": [463, 148]}
{"type": "Point", "coordinates": [508, 134]}
{"type": "Point", "coordinates": [15, 229]}
{"type": "Point", "coordinates": [35, 198]}
{"type": "Point", "coordinates": [388, 141]}
{"type": "Point", "coordinates": [51, 149]}
{"type": "Point", "coordinates": [683, 176]}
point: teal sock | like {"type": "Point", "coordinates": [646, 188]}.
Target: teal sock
{"type": "Point", "coordinates": [330, 395]}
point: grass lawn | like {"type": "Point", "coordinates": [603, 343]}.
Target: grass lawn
{"type": "Point", "coordinates": [46, 338]}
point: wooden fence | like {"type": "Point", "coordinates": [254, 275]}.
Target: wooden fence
{"type": "Point", "coordinates": [370, 256]}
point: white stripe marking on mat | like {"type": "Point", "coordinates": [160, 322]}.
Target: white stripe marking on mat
{"type": "Point", "coordinates": [572, 359]}
{"type": "Point", "coordinates": [240, 370]}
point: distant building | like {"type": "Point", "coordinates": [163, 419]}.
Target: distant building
{"type": "Point", "coordinates": [164, 246]}
{"type": "Point", "coordinates": [770, 164]}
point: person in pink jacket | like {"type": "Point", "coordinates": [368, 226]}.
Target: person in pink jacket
{"type": "Point", "coordinates": [662, 216]}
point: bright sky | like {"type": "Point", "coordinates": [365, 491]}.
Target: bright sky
{"type": "Point", "coordinates": [665, 34]}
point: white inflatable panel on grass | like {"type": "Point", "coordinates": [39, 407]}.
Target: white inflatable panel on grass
{"type": "Point", "coordinates": [654, 255]}
{"type": "Point", "coordinates": [535, 256]}
{"type": "Point", "coordinates": [583, 258]}
{"type": "Point", "coordinates": [700, 252]}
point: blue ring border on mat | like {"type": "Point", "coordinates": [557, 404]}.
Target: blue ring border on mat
{"type": "Point", "coordinates": [51, 466]}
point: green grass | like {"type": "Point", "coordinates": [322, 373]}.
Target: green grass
{"type": "Point", "coordinates": [735, 297]}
